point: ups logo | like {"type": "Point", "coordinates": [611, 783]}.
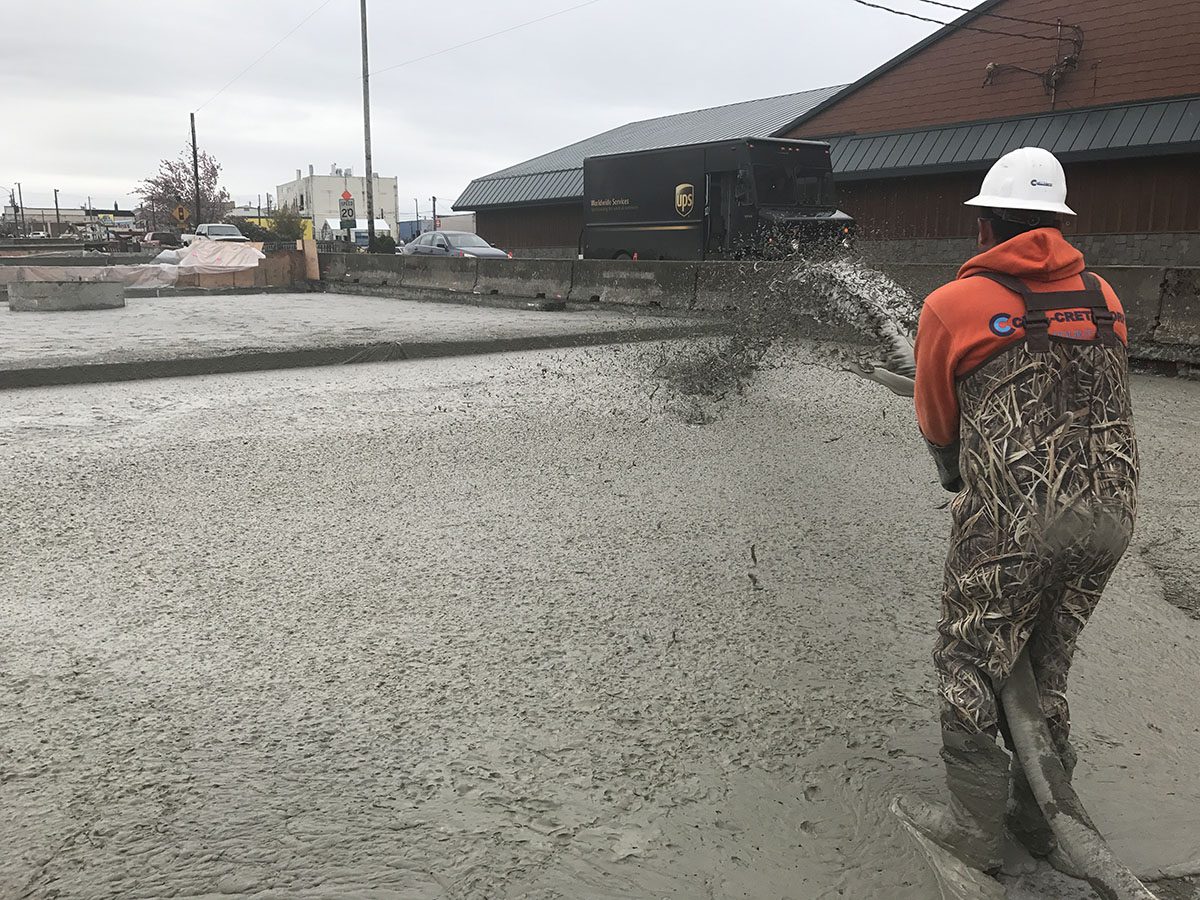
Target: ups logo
{"type": "Point", "coordinates": [685, 199]}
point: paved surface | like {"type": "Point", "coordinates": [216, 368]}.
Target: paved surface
{"type": "Point", "coordinates": [166, 328]}
{"type": "Point", "coordinates": [505, 627]}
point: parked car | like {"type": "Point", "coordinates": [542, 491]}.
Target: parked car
{"type": "Point", "coordinates": [452, 243]}
{"type": "Point", "coordinates": [38, 234]}
{"type": "Point", "coordinates": [161, 239]}
{"type": "Point", "coordinates": [216, 232]}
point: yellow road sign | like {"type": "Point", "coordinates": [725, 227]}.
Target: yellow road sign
{"type": "Point", "coordinates": [180, 213]}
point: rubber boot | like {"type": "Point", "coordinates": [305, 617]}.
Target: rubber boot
{"type": "Point", "coordinates": [971, 825]}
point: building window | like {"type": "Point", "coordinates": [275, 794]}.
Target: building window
{"type": "Point", "coordinates": [302, 199]}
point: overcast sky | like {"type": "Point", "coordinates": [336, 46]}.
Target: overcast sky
{"type": "Point", "coordinates": [93, 94]}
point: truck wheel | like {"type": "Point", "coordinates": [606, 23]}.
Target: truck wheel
{"type": "Point", "coordinates": [622, 255]}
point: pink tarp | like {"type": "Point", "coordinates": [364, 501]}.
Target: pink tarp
{"type": "Point", "coordinates": [201, 257]}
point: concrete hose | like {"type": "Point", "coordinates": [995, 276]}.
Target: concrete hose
{"type": "Point", "coordinates": [1076, 834]}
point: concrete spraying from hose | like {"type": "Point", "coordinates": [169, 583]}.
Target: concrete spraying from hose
{"type": "Point", "coordinates": [838, 291]}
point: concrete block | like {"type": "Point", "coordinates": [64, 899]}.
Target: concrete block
{"type": "Point", "coordinates": [440, 273]}
{"type": "Point", "coordinates": [1140, 290]}
{"type": "Point", "coordinates": [374, 269]}
{"type": "Point", "coordinates": [1179, 319]}
{"type": "Point", "coordinates": [332, 266]}
{"type": "Point", "coordinates": [59, 296]}
{"type": "Point", "coordinates": [548, 279]}
{"type": "Point", "coordinates": [670, 285]}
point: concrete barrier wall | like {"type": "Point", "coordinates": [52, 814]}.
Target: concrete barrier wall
{"type": "Point", "coordinates": [1162, 305]}
{"type": "Point", "coordinates": [440, 273]}
{"type": "Point", "coordinates": [533, 278]}
{"type": "Point", "coordinates": [373, 269]}
{"type": "Point", "coordinates": [669, 285]}
{"type": "Point", "coordinates": [1140, 290]}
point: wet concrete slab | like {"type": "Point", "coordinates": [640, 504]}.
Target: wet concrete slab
{"type": "Point", "coordinates": [506, 627]}
{"type": "Point", "coordinates": [186, 335]}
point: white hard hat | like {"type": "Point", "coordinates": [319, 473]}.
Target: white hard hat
{"type": "Point", "coordinates": [1028, 178]}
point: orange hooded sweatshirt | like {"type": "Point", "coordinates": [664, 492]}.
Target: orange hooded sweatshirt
{"type": "Point", "coordinates": [968, 321]}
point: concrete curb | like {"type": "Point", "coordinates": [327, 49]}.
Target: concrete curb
{"type": "Point", "coordinates": [334, 355]}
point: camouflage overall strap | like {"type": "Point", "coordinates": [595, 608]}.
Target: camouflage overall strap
{"type": "Point", "coordinates": [1038, 303]}
{"type": "Point", "coordinates": [1101, 314]}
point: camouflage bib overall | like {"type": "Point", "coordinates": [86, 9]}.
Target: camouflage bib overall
{"type": "Point", "coordinates": [1049, 467]}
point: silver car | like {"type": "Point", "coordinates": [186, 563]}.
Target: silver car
{"type": "Point", "coordinates": [452, 243]}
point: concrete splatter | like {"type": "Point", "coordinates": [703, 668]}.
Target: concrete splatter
{"type": "Point", "coordinates": [837, 297]}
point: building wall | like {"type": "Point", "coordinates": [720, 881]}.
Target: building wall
{"type": "Point", "coordinates": [1132, 51]}
{"type": "Point", "coordinates": [1138, 196]}
{"type": "Point", "coordinates": [320, 195]}
{"type": "Point", "coordinates": [532, 227]}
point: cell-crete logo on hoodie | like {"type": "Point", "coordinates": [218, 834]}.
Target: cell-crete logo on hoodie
{"type": "Point", "coordinates": [1004, 324]}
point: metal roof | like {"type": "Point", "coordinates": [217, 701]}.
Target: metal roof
{"type": "Point", "coordinates": [558, 175]}
{"type": "Point", "coordinates": [1170, 126]}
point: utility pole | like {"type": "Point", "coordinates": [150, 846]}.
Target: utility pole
{"type": "Point", "coordinates": [435, 222]}
{"type": "Point", "coordinates": [260, 207]}
{"type": "Point", "coordinates": [417, 213]}
{"type": "Point", "coordinates": [57, 217]}
{"type": "Point", "coordinates": [367, 133]}
{"type": "Point", "coordinates": [195, 170]}
{"type": "Point", "coordinates": [21, 204]}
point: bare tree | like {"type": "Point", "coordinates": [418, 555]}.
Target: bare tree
{"type": "Point", "coordinates": [172, 186]}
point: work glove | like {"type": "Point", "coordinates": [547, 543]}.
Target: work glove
{"type": "Point", "coordinates": [902, 358]}
{"type": "Point", "coordinates": [882, 373]}
{"type": "Point", "coordinates": [946, 459]}
{"type": "Point", "coordinates": [897, 371]}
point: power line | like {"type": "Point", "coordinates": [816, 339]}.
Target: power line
{"type": "Point", "coordinates": [897, 12]}
{"type": "Point", "coordinates": [263, 56]}
{"type": "Point", "coordinates": [409, 62]}
{"type": "Point", "coordinates": [993, 15]}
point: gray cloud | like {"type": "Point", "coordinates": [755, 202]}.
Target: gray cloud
{"type": "Point", "coordinates": [94, 94]}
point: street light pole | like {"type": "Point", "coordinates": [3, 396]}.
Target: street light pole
{"type": "Point", "coordinates": [21, 203]}
{"type": "Point", "coordinates": [435, 221]}
{"type": "Point", "coordinates": [195, 170]}
{"type": "Point", "coordinates": [57, 217]}
{"type": "Point", "coordinates": [367, 132]}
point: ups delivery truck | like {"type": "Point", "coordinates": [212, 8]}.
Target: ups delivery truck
{"type": "Point", "coordinates": [748, 198]}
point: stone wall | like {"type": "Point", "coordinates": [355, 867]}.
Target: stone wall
{"type": "Point", "coordinates": [1164, 250]}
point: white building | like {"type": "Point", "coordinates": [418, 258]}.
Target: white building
{"type": "Point", "coordinates": [316, 196]}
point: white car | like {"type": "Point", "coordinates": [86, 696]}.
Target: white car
{"type": "Point", "coordinates": [38, 234]}
{"type": "Point", "coordinates": [216, 232]}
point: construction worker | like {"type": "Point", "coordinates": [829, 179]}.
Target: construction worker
{"type": "Point", "coordinates": [1022, 395]}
